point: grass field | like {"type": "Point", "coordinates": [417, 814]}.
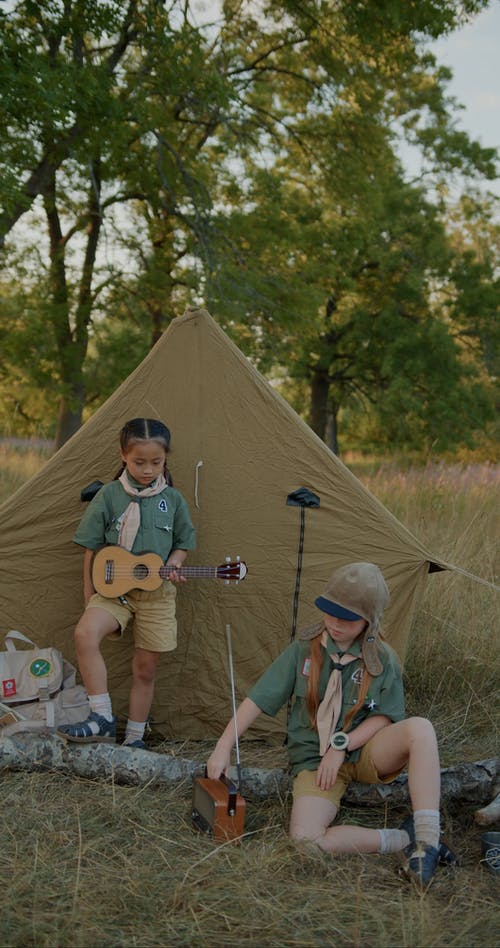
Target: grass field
{"type": "Point", "coordinates": [87, 863]}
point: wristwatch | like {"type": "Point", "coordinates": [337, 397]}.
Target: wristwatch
{"type": "Point", "coordinates": [340, 741]}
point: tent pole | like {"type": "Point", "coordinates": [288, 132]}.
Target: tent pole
{"type": "Point", "coordinates": [303, 497]}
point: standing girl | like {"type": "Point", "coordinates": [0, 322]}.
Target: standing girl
{"type": "Point", "coordinates": [347, 723]}
{"type": "Point", "coordinates": [140, 511]}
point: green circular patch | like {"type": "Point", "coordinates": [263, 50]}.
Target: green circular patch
{"type": "Point", "coordinates": [40, 668]}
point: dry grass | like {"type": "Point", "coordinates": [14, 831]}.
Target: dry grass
{"type": "Point", "coordinates": [18, 464]}
{"type": "Point", "coordinates": [452, 668]}
{"type": "Point", "coordinates": [94, 864]}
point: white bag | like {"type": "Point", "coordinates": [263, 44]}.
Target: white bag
{"type": "Point", "coordinates": [38, 689]}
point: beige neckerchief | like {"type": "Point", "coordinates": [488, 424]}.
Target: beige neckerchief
{"type": "Point", "coordinates": [130, 520]}
{"type": "Point", "coordinates": [331, 705]}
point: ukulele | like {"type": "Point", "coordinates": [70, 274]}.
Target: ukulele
{"type": "Point", "coordinates": [115, 571]}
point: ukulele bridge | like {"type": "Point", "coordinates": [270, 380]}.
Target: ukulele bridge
{"type": "Point", "coordinates": [109, 571]}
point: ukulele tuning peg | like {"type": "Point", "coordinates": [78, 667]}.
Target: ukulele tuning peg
{"type": "Point", "coordinates": [237, 559]}
{"type": "Point", "coordinates": [228, 559]}
{"type": "Point", "coordinates": [226, 581]}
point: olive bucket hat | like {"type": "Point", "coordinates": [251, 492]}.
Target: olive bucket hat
{"type": "Point", "coordinates": [355, 591]}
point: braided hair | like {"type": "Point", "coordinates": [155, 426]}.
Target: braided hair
{"type": "Point", "coordinates": [145, 429]}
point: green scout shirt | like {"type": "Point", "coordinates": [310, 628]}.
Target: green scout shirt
{"type": "Point", "coordinates": [288, 676]}
{"type": "Point", "coordinates": [165, 521]}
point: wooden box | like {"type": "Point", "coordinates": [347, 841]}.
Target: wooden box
{"type": "Point", "coordinates": [218, 808]}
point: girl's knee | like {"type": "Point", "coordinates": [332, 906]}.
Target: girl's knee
{"type": "Point", "coordinates": [92, 627]}
{"type": "Point", "coordinates": [144, 676]}
{"type": "Point", "coordinates": [420, 731]}
{"type": "Point", "coordinates": [85, 635]}
{"type": "Point", "coordinates": [144, 668]}
{"type": "Point", "coordinates": [420, 727]}
{"type": "Point", "coordinates": [306, 834]}
{"type": "Point", "coordinates": [310, 819]}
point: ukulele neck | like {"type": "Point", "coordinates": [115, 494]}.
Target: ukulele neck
{"type": "Point", "coordinates": [207, 572]}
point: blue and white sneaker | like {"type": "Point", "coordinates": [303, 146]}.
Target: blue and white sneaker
{"type": "Point", "coordinates": [446, 855]}
{"type": "Point", "coordinates": [420, 863]}
{"type": "Point", "coordinates": [96, 729]}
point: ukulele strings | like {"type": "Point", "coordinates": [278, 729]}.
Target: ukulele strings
{"type": "Point", "coordinates": [163, 569]}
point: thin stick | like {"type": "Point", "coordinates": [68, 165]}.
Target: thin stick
{"type": "Point", "coordinates": [231, 675]}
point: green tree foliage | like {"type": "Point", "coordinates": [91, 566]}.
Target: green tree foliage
{"type": "Point", "coordinates": [29, 394]}
{"type": "Point", "coordinates": [338, 265]}
{"type": "Point", "coordinates": [60, 65]}
{"type": "Point", "coordinates": [249, 160]}
{"type": "Point", "coordinates": [379, 318]}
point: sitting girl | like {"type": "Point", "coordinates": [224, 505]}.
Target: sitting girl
{"type": "Point", "coordinates": [348, 723]}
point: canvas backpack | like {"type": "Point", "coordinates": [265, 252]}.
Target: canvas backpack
{"type": "Point", "coordinates": [38, 690]}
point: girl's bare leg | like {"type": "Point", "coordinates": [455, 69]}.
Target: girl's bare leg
{"type": "Point", "coordinates": [144, 665]}
{"type": "Point", "coordinates": [311, 818]}
{"type": "Point", "coordinates": [412, 741]}
{"type": "Point", "coordinates": [94, 625]}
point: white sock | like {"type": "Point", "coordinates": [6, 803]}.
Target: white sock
{"type": "Point", "coordinates": [393, 840]}
{"type": "Point", "coordinates": [134, 731]}
{"type": "Point", "coordinates": [427, 828]}
{"type": "Point", "coordinates": [101, 704]}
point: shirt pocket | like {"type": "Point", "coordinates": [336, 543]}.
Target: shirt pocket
{"type": "Point", "coordinates": [164, 519]}
{"type": "Point", "coordinates": [300, 689]}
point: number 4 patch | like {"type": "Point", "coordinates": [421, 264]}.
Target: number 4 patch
{"type": "Point", "coordinates": [163, 505]}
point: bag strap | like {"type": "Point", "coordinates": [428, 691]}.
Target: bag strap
{"type": "Point", "coordinates": [12, 721]}
{"type": "Point", "coordinates": [14, 634]}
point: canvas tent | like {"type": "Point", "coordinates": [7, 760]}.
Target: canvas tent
{"type": "Point", "coordinates": [238, 450]}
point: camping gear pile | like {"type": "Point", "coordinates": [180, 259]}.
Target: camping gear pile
{"type": "Point", "coordinates": [38, 689]}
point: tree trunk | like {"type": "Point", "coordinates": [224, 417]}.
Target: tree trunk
{"type": "Point", "coordinates": [73, 344]}
{"type": "Point", "coordinates": [70, 415]}
{"type": "Point", "coordinates": [467, 783]}
{"type": "Point", "coordinates": [318, 411]}
{"type": "Point", "coordinates": [331, 437]}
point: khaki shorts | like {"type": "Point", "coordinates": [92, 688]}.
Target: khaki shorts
{"type": "Point", "coordinates": [152, 612]}
{"type": "Point", "coordinates": [364, 771]}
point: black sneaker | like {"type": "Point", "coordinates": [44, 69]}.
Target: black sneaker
{"type": "Point", "coordinates": [446, 855]}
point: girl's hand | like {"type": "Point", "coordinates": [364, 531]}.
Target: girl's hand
{"type": "Point", "coordinates": [329, 768]}
{"type": "Point", "coordinates": [218, 762]}
{"type": "Point", "coordinates": [176, 562]}
{"type": "Point", "coordinates": [175, 576]}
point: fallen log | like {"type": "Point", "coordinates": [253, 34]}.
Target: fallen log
{"type": "Point", "coordinates": [467, 783]}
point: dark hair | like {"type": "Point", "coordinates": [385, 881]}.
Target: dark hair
{"type": "Point", "coordinates": [145, 429]}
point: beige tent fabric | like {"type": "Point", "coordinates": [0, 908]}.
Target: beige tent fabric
{"type": "Point", "coordinates": [237, 451]}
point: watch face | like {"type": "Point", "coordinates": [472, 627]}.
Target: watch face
{"type": "Point", "coordinates": [340, 741]}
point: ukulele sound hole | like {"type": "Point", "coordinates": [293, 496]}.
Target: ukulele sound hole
{"type": "Point", "coordinates": [141, 571]}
